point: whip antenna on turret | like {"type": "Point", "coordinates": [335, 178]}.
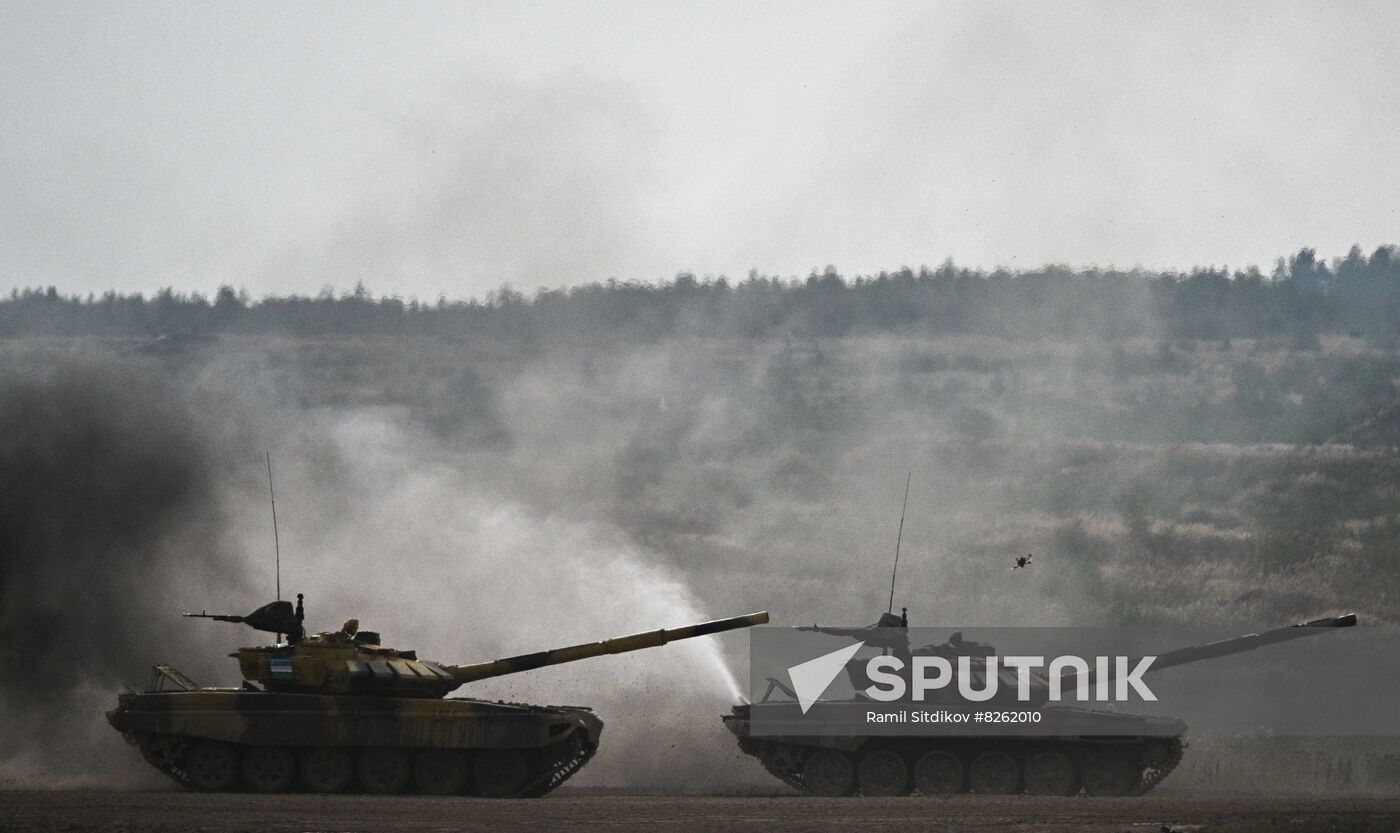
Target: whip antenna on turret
{"type": "Point", "coordinates": [899, 538]}
{"type": "Point", "coordinates": [276, 540]}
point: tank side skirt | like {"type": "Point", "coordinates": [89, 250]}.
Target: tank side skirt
{"type": "Point", "coordinates": [258, 718]}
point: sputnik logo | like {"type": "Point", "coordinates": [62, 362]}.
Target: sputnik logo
{"type": "Point", "coordinates": [811, 678]}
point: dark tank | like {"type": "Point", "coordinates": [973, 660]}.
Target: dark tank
{"type": "Point", "coordinates": [1100, 753]}
{"type": "Point", "coordinates": [337, 711]}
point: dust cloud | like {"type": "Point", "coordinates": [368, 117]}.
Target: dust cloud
{"type": "Point", "coordinates": [474, 498]}
{"type": "Point", "coordinates": [134, 494]}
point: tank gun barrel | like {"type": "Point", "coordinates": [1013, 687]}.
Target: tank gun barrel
{"type": "Point", "coordinates": [616, 645]}
{"type": "Point", "coordinates": [1249, 642]}
{"type": "Point", "coordinates": [1235, 645]}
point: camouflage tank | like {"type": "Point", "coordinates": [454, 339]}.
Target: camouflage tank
{"type": "Point", "coordinates": [1100, 753]}
{"type": "Point", "coordinates": [337, 711]}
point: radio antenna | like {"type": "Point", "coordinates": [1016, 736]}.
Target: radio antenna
{"type": "Point", "coordinates": [899, 538]}
{"type": "Point", "coordinates": [276, 540]}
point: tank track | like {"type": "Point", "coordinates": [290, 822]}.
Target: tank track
{"type": "Point", "coordinates": [559, 765]}
{"type": "Point", "coordinates": [782, 760]}
{"type": "Point", "coordinates": [1154, 758]}
{"type": "Point", "coordinates": [550, 766]}
{"type": "Point", "coordinates": [1156, 772]}
{"type": "Point", "coordinates": [164, 752]}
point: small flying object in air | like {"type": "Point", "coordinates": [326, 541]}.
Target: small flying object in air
{"type": "Point", "coordinates": [1023, 560]}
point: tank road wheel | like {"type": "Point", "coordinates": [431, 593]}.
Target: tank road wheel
{"type": "Point", "coordinates": [440, 771]}
{"type": "Point", "coordinates": [211, 766]}
{"type": "Point", "coordinates": [501, 773]}
{"type": "Point", "coordinates": [383, 771]}
{"type": "Point", "coordinates": [327, 770]}
{"type": "Point", "coordinates": [1051, 773]}
{"type": "Point", "coordinates": [939, 772]}
{"type": "Point", "coordinates": [883, 772]}
{"type": "Point", "coordinates": [994, 773]}
{"type": "Point", "coordinates": [1108, 774]}
{"type": "Point", "coordinates": [269, 769]}
{"type": "Point", "coordinates": [828, 772]}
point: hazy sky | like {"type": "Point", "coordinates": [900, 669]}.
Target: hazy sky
{"type": "Point", "coordinates": [428, 149]}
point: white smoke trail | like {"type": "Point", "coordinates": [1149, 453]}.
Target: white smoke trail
{"type": "Point", "coordinates": [403, 539]}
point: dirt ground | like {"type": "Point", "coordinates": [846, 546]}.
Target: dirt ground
{"type": "Point", "coordinates": [179, 811]}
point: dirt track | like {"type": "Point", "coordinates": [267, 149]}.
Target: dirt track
{"type": "Point", "coordinates": [176, 811]}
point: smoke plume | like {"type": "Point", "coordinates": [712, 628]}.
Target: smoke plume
{"type": "Point", "coordinates": [109, 514]}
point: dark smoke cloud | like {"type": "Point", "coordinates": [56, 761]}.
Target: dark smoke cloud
{"type": "Point", "coordinates": [108, 507]}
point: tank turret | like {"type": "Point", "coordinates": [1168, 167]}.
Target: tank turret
{"type": "Point", "coordinates": [351, 661]}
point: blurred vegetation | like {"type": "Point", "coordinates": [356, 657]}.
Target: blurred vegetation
{"type": "Point", "coordinates": [1301, 298]}
{"type": "Point", "coordinates": [1205, 446]}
